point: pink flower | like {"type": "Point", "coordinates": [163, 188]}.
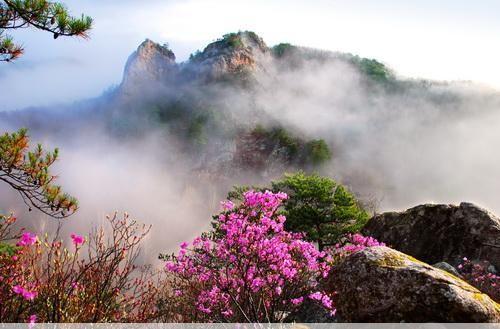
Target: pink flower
{"type": "Point", "coordinates": [227, 205]}
{"type": "Point", "coordinates": [227, 313]}
{"type": "Point", "coordinates": [27, 294]}
{"type": "Point", "coordinates": [204, 309]}
{"type": "Point", "coordinates": [77, 239]}
{"type": "Point", "coordinates": [32, 320]}
{"type": "Point", "coordinates": [27, 239]}
{"type": "Point", "coordinates": [316, 296]}
{"type": "Point", "coordinates": [17, 289]}
{"type": "Point", "coordinates": [184, 245]}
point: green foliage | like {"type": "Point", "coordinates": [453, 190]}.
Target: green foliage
{"type": "Point", "coordinates": [8, 49]}
{"type": "Point", "coordinates": [283, 138]}
{"type": "Point", "coordinates": [373, 69]}
{"type": "Point", "coordinates": [196, 56]}
{"type": "Point", "coordinates": [8, 249]}
{"type": "Point", "coordinates": [318, 152]}
{"type": "Point", "coordinates": [197, 129]}
{"type": "Point", "coordinates": [318, 206]}
{"type": "Point", "coordinates": [281, 49]}
{"type": "Point", "coordinates": [43, 15]}
{"type": "Point", "coordinates": [298, 151]}
{"type": "Point", "coordinates": [233, 40]}
{"type": "Point", "coordinates": [28, 173]}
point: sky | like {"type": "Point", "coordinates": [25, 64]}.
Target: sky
{"type": "Point", "coordinates": [441, 40]}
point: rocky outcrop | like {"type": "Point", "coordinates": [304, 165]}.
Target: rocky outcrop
{"type": "Point", "coordinates": [233, 55]}
{"type": "Point", "coordinates": [435, 233]}
{"type": "Point", "coordinates": [379, 284]}
{"type": "Point", "coordinates": [151, 63]}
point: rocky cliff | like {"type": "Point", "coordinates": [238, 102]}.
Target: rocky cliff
{"type": "Point", "coordinates": [151, 63]}
{"type": "Point", "coordinates": [234, 54]}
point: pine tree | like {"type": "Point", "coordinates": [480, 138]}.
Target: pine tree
{"type": "Point", "coordinates": [43, 15]}
{"type": "Point", "coordinates": [28, 173]}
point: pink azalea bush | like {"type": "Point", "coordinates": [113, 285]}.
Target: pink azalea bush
{"type": "Point", "coordinates": [93, 281]}
{"type": "Point", "coordinates": [18, 286]}
{"type": "Point", "coordinates": [478, 275]}
{"type": "Point", "coordinates": [248, 269]}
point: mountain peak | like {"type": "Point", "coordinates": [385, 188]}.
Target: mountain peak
{"type": "Point", "coordinates": [151, 62]}
{"type": "Point", "coordinates": [233, 53]}
{"type": "Point", "coordinates": [232, 42]}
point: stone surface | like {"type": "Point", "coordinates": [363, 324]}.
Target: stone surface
{"type": "Point", "coordinates": [150, 64]}
{"type": "Point", "coordinates": [435, 233]}
{"type": "Point", "coordinates": [379, 284]}
{"type": "Point", "coordinates": [447, 267]}
{"type": "Point", "coordinates": [234, 55]}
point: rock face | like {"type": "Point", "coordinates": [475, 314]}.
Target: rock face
{"type": "Point", "coordinates": [380, 284]}
{"type": "Point", "coordinates": [231, 57]}
{"type": "Point", "coordinates": [435, 233]}
{"type": "Point", "coordinates": [235, 53]}
{"type": "Point", "coordinates": [446, 267]}
{"type": "Point", "coordinates": [150, 63]}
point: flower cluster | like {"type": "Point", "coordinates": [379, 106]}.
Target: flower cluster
{"type": "Point", "coordinates": [27, 239]}
{"type": "Point", "coordinates": [77, 239]}
{"type": "Point", "coordinates": [249, 268]}
{"type": "Point", "coordinates": [353, 243]}
{"type": "Point", "coordinates": [18, 285]}
{"type": "Point", "coordinates": [27, 294]}
{"type": "Point", "coordinates": [479, 276]}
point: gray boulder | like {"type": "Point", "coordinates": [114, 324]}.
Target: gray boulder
{"type": "Point", "coordinates": [440, 233]}
{"type": "Point", "coordinates": [379, 284]}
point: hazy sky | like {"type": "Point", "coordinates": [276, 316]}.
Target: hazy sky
{"type": "Point", "coordinates": [445, 40]}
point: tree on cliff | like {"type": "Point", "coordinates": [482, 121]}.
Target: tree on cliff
{"type": "Point", "coordinates": [43, 15]}
{"type": "Point", "coordinates": [28, 173]}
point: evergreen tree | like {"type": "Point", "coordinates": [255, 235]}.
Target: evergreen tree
{"type": "Point", "coordinates": [28, 173]}
{"type": "Point", "coordinates": [43, 15]}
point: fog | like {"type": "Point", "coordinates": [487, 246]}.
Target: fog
{"type": "Point", "coordinates": [427, 142]}
{"type": "Point", "coordinates": [434, 142]}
